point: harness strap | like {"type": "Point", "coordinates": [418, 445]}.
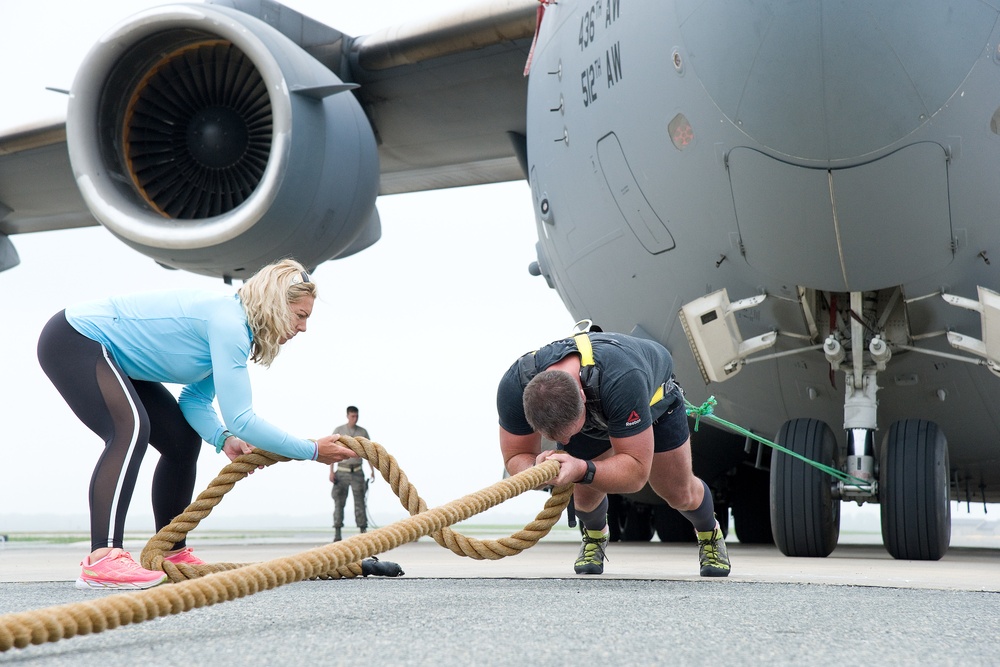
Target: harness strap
{"type": "Point", "coordinates": [590, 376]}
{"type": "Point", "coordinates": [527, 368]}
{"type": "Point", "coordinates": [658, 396]}
{"type": "Point", "coordinates": [586, 349]}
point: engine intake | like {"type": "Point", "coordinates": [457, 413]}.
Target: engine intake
{"type": "Point", "coordinates": [207, 140]}
{"type": "Point", "coordinates": [198, 131]}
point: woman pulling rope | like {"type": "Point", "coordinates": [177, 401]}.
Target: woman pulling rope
{"type": "Point", "coordinates": [109, 359]}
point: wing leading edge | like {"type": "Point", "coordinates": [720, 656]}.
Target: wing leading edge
{"type": "Point", "coordinates": [446, 99]}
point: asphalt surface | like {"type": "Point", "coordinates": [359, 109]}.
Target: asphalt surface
{"type": "Point", "coordinates": [649, 608]}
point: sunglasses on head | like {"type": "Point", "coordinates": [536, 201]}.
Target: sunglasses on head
{"type": "Point", "coordinates": [302, 277]}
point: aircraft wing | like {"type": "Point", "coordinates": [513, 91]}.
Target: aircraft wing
{"type": "Point", "coordinates": [445, 100]}
{"type": "Point", "coordinates": [37, 189]}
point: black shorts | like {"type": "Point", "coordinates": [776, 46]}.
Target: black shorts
{"type": "Point", "coordinates": [670, 431]}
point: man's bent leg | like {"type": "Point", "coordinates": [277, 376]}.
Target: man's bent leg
{"type": "Point", "coordinates": [672, 478]}
{"type": "Point", "coordinates": [595, 529]}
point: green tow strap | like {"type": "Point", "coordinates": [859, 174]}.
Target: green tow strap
{"type": "Point", "coordinates": [706, 410]}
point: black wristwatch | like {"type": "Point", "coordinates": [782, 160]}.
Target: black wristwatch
{"type": "Point", "coordinates": [588, 476]}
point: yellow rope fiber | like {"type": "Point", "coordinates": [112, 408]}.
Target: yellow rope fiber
{"type": "Point", "coordinates": [204, 585]}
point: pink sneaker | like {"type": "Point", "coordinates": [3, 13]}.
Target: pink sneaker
{"type": "Point", "coordinates": [117, 570]}
{"type": "Point", "coordinates": [186, 556]}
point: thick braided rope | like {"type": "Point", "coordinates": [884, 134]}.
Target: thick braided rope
{"type": "Point", "coordinates": [152, 555]}
{"type": "Point", "coordinates": [65, 621]}
{"type": "Point", "coordinates": [460, 544]}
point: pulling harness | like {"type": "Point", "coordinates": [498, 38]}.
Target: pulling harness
{"type": "Point", "coordinates": [590, 378]}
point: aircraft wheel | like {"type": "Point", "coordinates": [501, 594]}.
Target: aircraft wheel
{"type": "Point", "coordinates": [636, 522]}
{"type": "Point", "coordinates": [752, 507]}
{"type": "Point", "coordinates": [671, 526]}
{"type": "Point", "coordinates": [913, 491]}
{"type": "Point", "coordinates": [805, 518]}
{"type": "Point", "coordinates": [616, 517]}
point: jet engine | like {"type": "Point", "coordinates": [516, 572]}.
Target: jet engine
{"type": "Point", "coordinates": [204, 138]}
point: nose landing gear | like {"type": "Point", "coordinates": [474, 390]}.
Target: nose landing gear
{"type": "Point", "coordinates": [911, 480]}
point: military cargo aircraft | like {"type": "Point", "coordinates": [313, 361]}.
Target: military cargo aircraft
{"type": "Point", "coordinates": [798, 199]}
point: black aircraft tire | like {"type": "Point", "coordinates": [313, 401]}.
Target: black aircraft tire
{"type": "Point", "coordinates": [638, 522]}
{"type": "Point", "coordinates": [671, 526]}
{"type": "Point", "coordinates": [805, 518]}
{"type": "Point", "coordinates": [751, 503]}
{"type": "Point", "coordinates": [615, 518]}
{"type": "Point", "coordinates": [913, 491]}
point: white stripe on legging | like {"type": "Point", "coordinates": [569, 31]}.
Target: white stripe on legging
{"type": "Point", "coordinates": [131, 447]}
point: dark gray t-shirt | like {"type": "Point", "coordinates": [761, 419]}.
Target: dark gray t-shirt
{"type": "Point", "coordinates": [631, 369]}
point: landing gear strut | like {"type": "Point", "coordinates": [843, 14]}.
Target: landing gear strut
{"type": "Point", "coordinates": [908, 472]}
{"type": "Point", "coordinates": [911, 482]}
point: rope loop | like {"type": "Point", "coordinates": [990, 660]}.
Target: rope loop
{"type": "Point", "coordinates": [204, 585]}
{"type": "Point", "coordinates": [152, 557]}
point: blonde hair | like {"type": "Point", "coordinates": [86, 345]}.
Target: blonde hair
{"type": "Point", "coordinates": [268, 297]}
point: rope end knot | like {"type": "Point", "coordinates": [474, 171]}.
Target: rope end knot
{"type": "Point", "coordinates": [705, 409]}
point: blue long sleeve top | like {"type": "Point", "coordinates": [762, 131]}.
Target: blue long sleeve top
{"type": "Point", "coordinates": [196, 338]}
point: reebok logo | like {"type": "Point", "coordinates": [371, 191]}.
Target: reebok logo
{"type": "Point", "coordinates": [633, 419]}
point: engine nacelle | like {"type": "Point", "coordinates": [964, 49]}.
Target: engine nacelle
{"type": "Point", "coordinates": [207, 140]}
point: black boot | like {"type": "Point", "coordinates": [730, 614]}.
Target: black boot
{"type": "Point", "coordinates": [380, 568]}
{"type": "Point", "coordinates": [336, 534]}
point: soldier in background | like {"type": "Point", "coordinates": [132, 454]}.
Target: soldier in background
{"type": "Point", "coordinates": [348, 475]}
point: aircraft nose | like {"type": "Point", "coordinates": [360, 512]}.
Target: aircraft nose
{"type": "Point", "coordinates": [833, 81]}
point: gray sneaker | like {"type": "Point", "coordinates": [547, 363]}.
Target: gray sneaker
{"type": "Point", "coordinates": [591, 558]}
{"type": "Point", "coordinates": [712, 554]}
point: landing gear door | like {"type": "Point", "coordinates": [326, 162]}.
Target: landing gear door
{"type": "Point", "coordinates": [710, 326]}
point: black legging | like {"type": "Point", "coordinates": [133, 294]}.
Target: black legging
{"type": "Point", "coordinates": [128, 414]}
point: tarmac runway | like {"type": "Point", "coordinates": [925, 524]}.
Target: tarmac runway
{"type": "Point", "coordinates": [649, 608]}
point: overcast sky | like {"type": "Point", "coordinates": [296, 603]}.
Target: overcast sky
{"type": "Point", "coordinates": [415, 331]}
